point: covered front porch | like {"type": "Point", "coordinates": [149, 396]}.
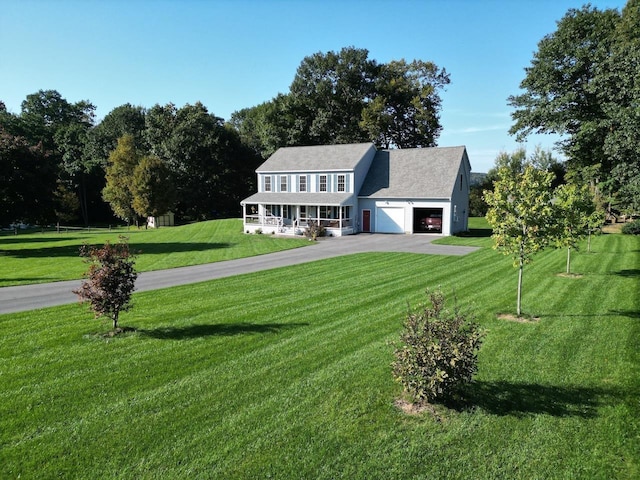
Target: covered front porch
{"type": "Point", "coordinates": [294, 219]}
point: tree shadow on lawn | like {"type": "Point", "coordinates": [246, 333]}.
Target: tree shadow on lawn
{"type": "Point", "coordinates": [223, 329]}
{"type": "Point", "coordinates": [610, 313]}
{"type": "Point", "coordinates": [627, 313]}
{"type": "Point", "coordinates": [631, 273]}
{"type": "Point", "coordinates": [524, 399]}
{"type": "Point", "coordinates": [19, 281]}
{"type": "Point", "coordinates": [476, 233]}
{"type": "Point", "coordinates": [138, 248]}
{"type": "Point", "coordinates": [17, 239]}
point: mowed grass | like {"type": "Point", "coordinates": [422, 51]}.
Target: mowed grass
{"type": "Point", "coordinates": [286, 374]}
{"type": "Point", "coordinates": [51, 256]}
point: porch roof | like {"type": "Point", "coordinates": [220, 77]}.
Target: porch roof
{"type": "Point", "coordinates": [305, 198]}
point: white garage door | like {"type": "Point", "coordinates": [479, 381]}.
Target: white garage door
{"type": "Point", "coordinates": [390, 220]}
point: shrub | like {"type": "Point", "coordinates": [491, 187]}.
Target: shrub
{"type": "Point", "coordinates": [631, 228]}
{"type": "Point", "coordinates": [110, 279]}
{"type": "Point", "coordinates": [314, 230]}
{"type": "Point", "coordinates": [437, 354]}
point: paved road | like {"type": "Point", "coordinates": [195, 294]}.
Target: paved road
{"type": "Point", "coordinates": [29, 297]}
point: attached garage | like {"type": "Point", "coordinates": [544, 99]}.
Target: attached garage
{"type": "Point", "coordinates": [390, 220]}
{"type": "Point", "coordinates": [416, 190]}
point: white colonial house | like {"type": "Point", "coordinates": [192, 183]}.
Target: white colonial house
{"type": "Point", "coordinates": [356, 188]}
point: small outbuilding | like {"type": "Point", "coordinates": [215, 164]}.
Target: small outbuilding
{"type": "Point", "coordinates": [166, 220]}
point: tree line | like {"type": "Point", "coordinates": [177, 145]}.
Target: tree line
{"type": "Point", "coordinates": [59, 164]}
{"type": "Point", "coordinates": [584, 83]}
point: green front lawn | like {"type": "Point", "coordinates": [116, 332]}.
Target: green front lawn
{"type": "Point", "coordinates": [286, 374]}
{"type": "Point", "coordinates": [51, 256]}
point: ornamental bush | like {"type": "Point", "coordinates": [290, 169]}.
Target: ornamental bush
{"type": "Point", "coordinates": [314, 230]}
{"type": "Point", "coordinates": [631, 228]}
{"type": "Point", "coordinates": [437, 352]}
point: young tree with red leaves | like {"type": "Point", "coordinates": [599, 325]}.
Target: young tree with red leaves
{"type": "Point", "coordinates": [110, 279]}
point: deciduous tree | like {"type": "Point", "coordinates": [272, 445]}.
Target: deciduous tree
{"type": "Point", "coordinates": [520, 214]}
{"type": "Point", "coordinates": [559, 95]}
{"type": "Point", "coordinates": [583, 83]}
{"type": "Point", "coordinates": [62, 128]}
{"type": "Point", "coordinates": [328, 94]}
{"type": "Point", "coordinates": [123, 120]}
{"type": "Point", "coordinates": [265, 127]}
{"type": "Point", "coordinates": [119, 176]}
{"type": "Point", "coordinates": [27, 181]}
{"type": "Point", "coordinates": [110, 280]}
{"type": "Point", "coordinates": [573, 209]}
{"type": "Point", "coordinates": [405, 106]}
{"type": "Point", "coordinates": [211, 168]}
{"type": "Point", "coordinates": [345, 97]}
{"type": "Point", "coordinates": [152, 188]}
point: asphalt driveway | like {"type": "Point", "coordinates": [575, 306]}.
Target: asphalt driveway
{"type": "Point", "coordinates": [29, 297]}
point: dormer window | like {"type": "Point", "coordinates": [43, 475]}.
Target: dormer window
{"type": "Point", "coordinates": [323, 183]}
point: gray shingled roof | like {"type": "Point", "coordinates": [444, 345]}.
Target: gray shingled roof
{"type": "Point", "coordinates": [293, 198]}
{"type": "Point", "coordinates": [413, 173]}
{"type": "Point", "coordinates": [315, 158]}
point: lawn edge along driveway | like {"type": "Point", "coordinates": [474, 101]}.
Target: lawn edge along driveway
{"type": "Point", "coordinates": [29, 297]}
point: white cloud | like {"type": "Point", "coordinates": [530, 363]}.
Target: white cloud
{"type": "Point", "coordinates": [469, 130]}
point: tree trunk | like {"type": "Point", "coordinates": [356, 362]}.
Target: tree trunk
{"type": "Point", "coordinates": [84, 209]}
{"type": "Point", "coordinates": [568, 260]}
{"type": "Point", "coordinates": [115, 321]}
{"type": "Point", "coordinates": [518, 303]}
{"type": "Point", "coordinates": [589, 242]}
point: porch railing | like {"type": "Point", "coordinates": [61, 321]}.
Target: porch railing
{"type": "Point", "coordinates": [280, 222]}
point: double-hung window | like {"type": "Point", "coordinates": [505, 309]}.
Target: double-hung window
{"type": "Point", "coordinates": [267, 183]}
{"type": "Point", "coordinates": [302, 183]}
{"type": "Point", "coordinates": [283, 183]}
{"type": "Point", "coordinates": [323, 183]}
{"type": "Point", "coordinates": [341, 183]}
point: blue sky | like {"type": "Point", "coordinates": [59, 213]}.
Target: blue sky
{"type": "Point", "coordinates": [235, 54]}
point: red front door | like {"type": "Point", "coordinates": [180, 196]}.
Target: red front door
{"type": "Point", "coordinates": [366, 221]}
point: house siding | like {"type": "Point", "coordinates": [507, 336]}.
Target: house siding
{"type": "Point", "coordinates": [391, 184]}
{"type": "Point", "coordinates": [459, 215]}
